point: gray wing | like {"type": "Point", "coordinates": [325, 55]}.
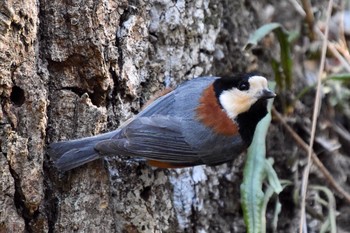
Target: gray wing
{"type": "Point", "coordinates": [167, 131]}
{"type": "Point", "coordinates": [181, 102]}
{"type": "Point", "coordinates": [157, 137]}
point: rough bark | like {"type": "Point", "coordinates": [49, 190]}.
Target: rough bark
{"type": "Point", "coordinates": [70, 69]}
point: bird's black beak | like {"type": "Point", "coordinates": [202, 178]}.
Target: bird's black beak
{"type": "Point", "coordinates": [267, 94]}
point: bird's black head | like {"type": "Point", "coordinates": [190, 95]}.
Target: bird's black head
{"type": "Point", "coordinates": [244, 99]}
{"type": "Point", "coordinates": [239, 81]}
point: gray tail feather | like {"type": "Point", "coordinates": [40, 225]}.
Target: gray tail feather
{"type": "Point", "coordinates": [71, 154]}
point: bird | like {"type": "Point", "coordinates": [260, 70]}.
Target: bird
{"type": "Point", "coordinates": [204, 121]}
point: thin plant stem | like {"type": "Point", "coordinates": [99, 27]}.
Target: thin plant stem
{"type": "Point", "coordinates": [302, 226]}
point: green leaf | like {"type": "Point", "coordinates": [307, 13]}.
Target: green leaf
{"type": "Point", "coordinates": [272, 177]}
{"type": "Point", "coordinates": [269, 192]}
{"type": "Point", "coordinates": [286, 57]}
{"type": "Point", "coordinates": [255, 171]}
{"type": "Point", "coordinates": [260, 33]}
{"type": "Point", "coordinates": [285, 39]}
{"type": "Point", "coordinates": [345, 77]}
{"type": "Point", "coordinates": [330, 224]}
{"type": "Point", "coordinates": [276, 69]}
{"type": "Point", "coordinates": [278, 208]}
{"type": "Point", "coordinates": [340, 77]}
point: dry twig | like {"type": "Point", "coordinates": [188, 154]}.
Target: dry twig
{"type": "Point", "coordinates": [309, 16]}
{"type": "Point", "coordinates": [333, 50]}
{"type": "Point", "coordinates": [318, 31]}
{"type": "Point", "coordinates": [314, 119]}
{"type": "Point", "coordinates": [329, 178]}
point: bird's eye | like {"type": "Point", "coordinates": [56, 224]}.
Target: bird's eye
{"type": "Point", "coordinates": [243, 86]}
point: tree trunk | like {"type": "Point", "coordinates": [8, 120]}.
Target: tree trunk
{"type": "Point", "coordinates": [70, 69]}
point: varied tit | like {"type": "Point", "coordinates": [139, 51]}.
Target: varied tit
{"type": "Point", "coordinates": [207, 120]}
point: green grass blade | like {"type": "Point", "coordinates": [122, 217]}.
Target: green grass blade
{"type": "Point", "coordinates": [286, 57]}
{"type": "Point", "coordinates": [259, 34]}
{"type": "Point", "coordinates": [285, 78]}
{"type": "Point", "coordinates": [340, 77]}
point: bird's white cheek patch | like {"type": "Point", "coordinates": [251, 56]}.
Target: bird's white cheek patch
{"type": "Point", "coordinates": [236, 102]}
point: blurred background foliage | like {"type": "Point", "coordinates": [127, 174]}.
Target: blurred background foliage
{"type": "Point", "coordinates": [291, 40]}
